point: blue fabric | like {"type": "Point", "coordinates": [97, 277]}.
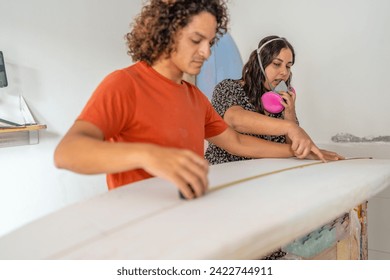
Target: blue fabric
{"type": "Point", "coordinates": [224, 63]}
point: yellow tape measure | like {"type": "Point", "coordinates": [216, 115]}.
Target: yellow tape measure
{"type": "Point", "coordinates": [235, 182]}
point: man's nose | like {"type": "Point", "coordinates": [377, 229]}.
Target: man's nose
{"type": "Point", "coordinates": [205, 51]}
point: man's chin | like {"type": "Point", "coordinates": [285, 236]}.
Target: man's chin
{"type": "Point", "coordinates": [193, 72]}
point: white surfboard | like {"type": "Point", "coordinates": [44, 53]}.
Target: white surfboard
{"type": "Point", "coordinates": [224, 63]}
{"type": "Point", "coordinates": [253, 207]}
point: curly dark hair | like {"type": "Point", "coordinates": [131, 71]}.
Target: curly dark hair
{"type": "Point", "coordinates": [251, 71]}
{"type": "Point", "coordinates": [154, 29]}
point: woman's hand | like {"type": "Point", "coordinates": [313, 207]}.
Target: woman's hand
{"type": "Point", "coordinates": [328, 155]}
{"type": "Point", "coordinates": [288, 102]}
{"type": "Point", "coordinates": [301, 143]}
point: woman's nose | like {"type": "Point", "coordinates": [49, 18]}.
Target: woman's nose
{"type": "Point", "coordinates": [284, 71]}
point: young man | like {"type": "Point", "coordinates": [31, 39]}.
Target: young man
{"type": "Point", "coordinates": [145, 121]}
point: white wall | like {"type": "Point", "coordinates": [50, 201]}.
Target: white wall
{"type": "Point", "coordinates": [58, 51]}
{"type": "Point", "coordinates": [341, 70]}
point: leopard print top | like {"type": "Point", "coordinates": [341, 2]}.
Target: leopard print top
{"type": "Point", "coordinates": [226, 94]}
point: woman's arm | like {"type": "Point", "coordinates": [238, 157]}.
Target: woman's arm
{"type": "Point", "coordinates": [245, 121]}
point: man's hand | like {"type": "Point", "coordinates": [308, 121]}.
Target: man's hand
{"type": "Point", "coordinates": [187, 170]}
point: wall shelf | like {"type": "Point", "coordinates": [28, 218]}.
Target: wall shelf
{"type": "Point", "coordinates": [24, 135]}
{"type": "Point", "coordinates": [17, 124]}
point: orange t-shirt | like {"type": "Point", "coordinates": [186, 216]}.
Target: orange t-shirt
{"type": "Point", "coordinates": [137, 104]}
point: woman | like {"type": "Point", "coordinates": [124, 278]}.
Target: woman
{"type": "Point", "coordinates": [240, 103]}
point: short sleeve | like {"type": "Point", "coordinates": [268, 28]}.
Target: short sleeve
{"type": "Point", "coordinates": [111, 105]}
{"type": "Point", "coordinates": [226, 94]}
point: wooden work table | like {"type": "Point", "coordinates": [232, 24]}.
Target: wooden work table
{"type": "Point", "coordinates": [253, 207]}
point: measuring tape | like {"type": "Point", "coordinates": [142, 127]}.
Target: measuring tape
{"type": "Point", "coordinates": [235, 182]}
